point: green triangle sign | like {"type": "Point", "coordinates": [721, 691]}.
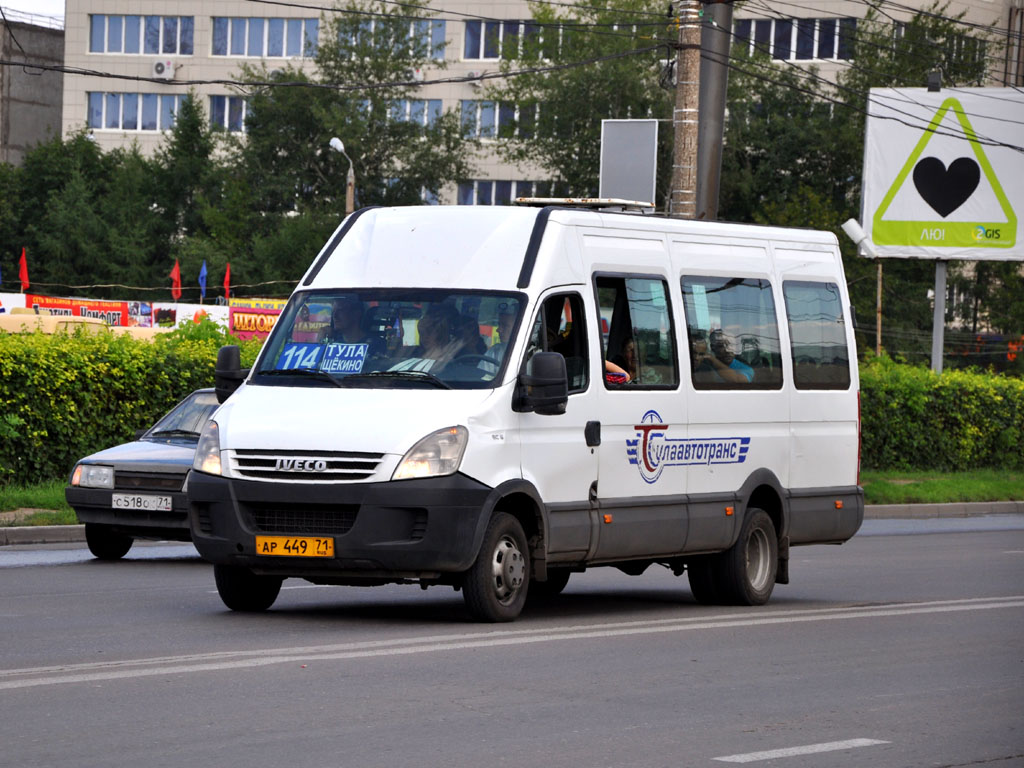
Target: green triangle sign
{"type": "Point", "coordinates": [949, 234]}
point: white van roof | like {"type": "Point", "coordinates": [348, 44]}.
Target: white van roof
{"type": "Point", "coordinates": [487, 247]}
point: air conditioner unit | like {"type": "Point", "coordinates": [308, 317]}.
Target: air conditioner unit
{"type": "Point", "coordinates": [163, 69]}
{"type": "Point", "coordinates": [476, 82]}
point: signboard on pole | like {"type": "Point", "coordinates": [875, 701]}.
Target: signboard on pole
{"type": "Point", "coordinates": [629, 160]}
{"type": "Point", "coordinates": [944, 173]}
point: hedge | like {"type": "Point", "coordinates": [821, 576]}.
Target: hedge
{"type": "Point", "coordinates": [64, 396]}
{"type": "Point", "coordinates": [912, 418]}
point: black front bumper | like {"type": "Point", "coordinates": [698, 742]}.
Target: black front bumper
{"type": "Point", "coordinates": [398, 530]}
{"type": "Point", "coordinates": [93, 505]}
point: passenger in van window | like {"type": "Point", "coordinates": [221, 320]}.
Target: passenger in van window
{"type": "Point", "coordinates": [436, 348]}
{"type": "Point", "coordinates": [469, 334]}
{"type": "Point", "coordinates": [626, 359]}
{"type": "Point", "coordinates": [615, 374]}
{"type": "Point", "coordinates": [347, 326]}
{"type": "Point", "coordinates": [505, 320]}
{"type": "Point", "coordinates": [720, 364]}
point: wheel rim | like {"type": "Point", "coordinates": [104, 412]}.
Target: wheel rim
{"type": "Point", "coordinates": [758, 559]}
{"type": "Point", "coordinates": [508, 567]}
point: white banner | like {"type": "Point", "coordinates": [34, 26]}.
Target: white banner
{"type": "Point", "coordinates": [944, 173]}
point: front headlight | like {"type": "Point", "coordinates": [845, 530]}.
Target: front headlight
{"type": "Point", "coordinates": [208, 450]}
{"type": "Point", "coordinates": [437, 454]}
{"type": "Point", "coordinates": [93, 476]}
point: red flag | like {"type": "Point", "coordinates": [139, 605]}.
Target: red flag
{"type": "Point", "coordinates": [176, 281]}
{"type": "Point", "coordinates": [23, 271]}
{"type": "Point", "coordinates": [227, 281]}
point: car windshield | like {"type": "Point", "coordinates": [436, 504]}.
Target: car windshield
{"type": "Point", "coordinates": [393, 338]}
{"type": "Point", "coordinates": [186, 419]}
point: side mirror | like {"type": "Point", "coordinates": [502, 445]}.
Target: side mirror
{"type": "Point", "coordinates": [228, 375]}
{"type": "Point", "coordinates": [545, 390]}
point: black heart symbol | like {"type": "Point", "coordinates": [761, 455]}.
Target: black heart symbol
{"type": "Point", "coordinates": [944, 189]}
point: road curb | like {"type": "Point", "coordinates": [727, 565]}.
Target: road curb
{"type": "Point", "coordinates": [63, 534]}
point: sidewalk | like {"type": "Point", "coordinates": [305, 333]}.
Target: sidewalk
{"type": "Point", "coordinates": [63, 534]}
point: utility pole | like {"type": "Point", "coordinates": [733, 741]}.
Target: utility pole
{"type": "Point", "coordinates": [686, 117]}
{"type": "Point", "coordinates": [716, 37]}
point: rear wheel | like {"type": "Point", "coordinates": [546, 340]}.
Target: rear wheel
{"type": "Point", "coordinates": [105, 543]}
{"type": "Point", "coordinates": [494, 588]}
{"type": "Point", "coordinates": [746, 571]}
{"type": "Point", "coordinates": [243, 590]}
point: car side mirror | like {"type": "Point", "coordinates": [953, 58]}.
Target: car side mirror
{"type": "Point", "coordinates": [545, 390]}
{"type": "Point", "coordinates": [228, 375]}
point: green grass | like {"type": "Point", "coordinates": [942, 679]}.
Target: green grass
{"type": "Point", "coordinates": [942, 487]}
{"type": "Point", "coordinates": [879, 488]}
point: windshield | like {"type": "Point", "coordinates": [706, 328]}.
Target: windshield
{"type": "Point", "coordinates": [391, 338]}
{"type": "Point", "coordinates": [187, 418]}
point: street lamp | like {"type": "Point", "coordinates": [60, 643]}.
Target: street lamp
{"type": "Point", "coordinates": [350, 180]}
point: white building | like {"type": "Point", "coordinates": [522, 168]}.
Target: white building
{"type": "Point", "coordinates": [176, 41]}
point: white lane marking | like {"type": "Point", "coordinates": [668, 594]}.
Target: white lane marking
{"type": "Point", "coordinates": [222, 660]}
{"type": "Point", "coordinates": [810, 749]}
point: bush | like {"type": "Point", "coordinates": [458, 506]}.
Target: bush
{"type": "Point", "coordinates": [914, 419]}
{"type": "Point", "coordinates": [64, 396]}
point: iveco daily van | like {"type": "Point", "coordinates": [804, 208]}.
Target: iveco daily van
{"type": "Point", "coordinates": [493, 398]}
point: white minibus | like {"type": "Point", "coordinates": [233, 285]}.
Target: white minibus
{"type": "Point", "coordinates": [495, 398]}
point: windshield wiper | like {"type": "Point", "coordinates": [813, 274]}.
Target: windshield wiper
{"type": "Point", "coordinates": [406, 375]}
{"type": "Point", "coordinates": [174, 433]}
{"type": "Point", "coordinates": [305, 372]}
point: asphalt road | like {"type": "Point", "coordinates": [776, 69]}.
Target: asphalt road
{"type": "Point", "coordinates": [892, 650]}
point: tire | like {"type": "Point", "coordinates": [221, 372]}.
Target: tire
{"type": "Point", "coordinates": [495, 586]}
{"type": "Point", "coordinates": [746, 571]}
{"type": "Point", "coordinates": [545, 590]}
{"type": "Point", "coordinates": [701, 572]}
{"type": "Point", "coordinates": [242, 590]}
{"type": "Point", "coordinates": [105, 544]}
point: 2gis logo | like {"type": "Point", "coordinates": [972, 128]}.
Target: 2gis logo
{"type": "Point", "coordinates": [980, 234]}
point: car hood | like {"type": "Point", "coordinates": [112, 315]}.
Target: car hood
{"type": "Point", "coordinates": [147, 456]}
{"type": "Point", "coordinates": [331, 419]}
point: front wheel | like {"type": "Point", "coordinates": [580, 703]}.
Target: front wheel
{"type": "Point", "coordinates": [105, 544]}
{"type": "Point", "coordinates": [243, 590]}
{"type": "Point", "coordinates": [495, 586]}
{"type": "Point", "coordinates": [746, 573]}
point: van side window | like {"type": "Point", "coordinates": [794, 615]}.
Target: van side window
{"type": "Point", "coordinates": [555, 331]}
{"type": "Point", "coordinates": [817, 333]}
{"type": "Point", "coordinates": [733, 333]}
{"type": "Point", "coordinates": [636, 332]}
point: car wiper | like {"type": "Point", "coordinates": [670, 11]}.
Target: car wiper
{"type": "Point", "coordinates": [305, 372]}
{"type": "Point", "coordinates": [174, 433]}
{"type": "Point", "coordinates": [406, 375]}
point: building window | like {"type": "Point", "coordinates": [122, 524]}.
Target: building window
{"type": "Point", "coordinates": [493, 39]}
{"type": "Point", "coordinates": [420, 111]}
{"type": "Point", "coordinates": [147, 35]}
{"type": "Point", "coordinates": [428, 33]}
{"type": "Point", "coordinates": [132, 111]}
{"type": "Point", "coordinates": [478, 119]}
{"type": "Point", "coordinates": [260, 37]}
{"type": "Point", "coordinates": [488, 192]}
{"type": "Point", "coordinates": [228, 113]}
{"type": "Point", "coordinates": [796, 39]}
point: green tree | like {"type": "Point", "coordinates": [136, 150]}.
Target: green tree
{"type": "Point", "coordinates": [592, 63]}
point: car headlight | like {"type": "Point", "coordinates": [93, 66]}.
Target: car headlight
{"type": "Point", "coordinates": [437, 454]}
{"type": "Point", "coordinates": [93, 476]}
{"type": "Point", "coordinates": [207, 457]}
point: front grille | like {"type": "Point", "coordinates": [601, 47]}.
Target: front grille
{"type": "Point", "coordinates": [310, 518]}
{"type": "Point", "coordinates": [148, 481]}
{"type": "Point", "coordinates": [304, 466]}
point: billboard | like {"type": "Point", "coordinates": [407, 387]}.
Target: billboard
{"type": "Point", "coordinates": [944, 173]}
